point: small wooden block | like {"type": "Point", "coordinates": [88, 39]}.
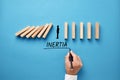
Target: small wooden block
{"type": "Point", "coordinates": [81, 30]}
{"type": "Point", "coordinates": [97, 26]}
{"type": "Point", "coordinates": [66, 30]}
{"type": "Point", "coordinates": [89, 30]}
{"type": "Point", "coordinates": [21, 31]}
{"type": "Point", "coordinates": [26, 32]}
{"type": "Point", "coordinates": [29, 34]}
{"type": "Point", "coordinates": [47, 30]}
{"type": "Point", "coordinates": [38, 30]}
{"type": "Point", "coordinates": [73, 30]}
{"type": "Point", "coordinates": [43, 30]}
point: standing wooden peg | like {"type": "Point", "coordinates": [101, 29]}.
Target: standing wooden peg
{"type": "Point", "coordinates": [81, 30]}
{"type": "Point", "coordinates": [47, 30]}
{"type": "Point", "coordinates": [21, 31]}
{"type": "Point", "coordinates": [73, 30]}
{"type": "Point", "coordinates": [42, 31]}
{"type": "Point", "coordinates": [97, 26]}
{"type": "Point", "coordinates": [89, 30]}
{"type": "Point", "coordinates": [66, 30]}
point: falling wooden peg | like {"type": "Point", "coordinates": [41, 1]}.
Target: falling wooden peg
{"type": "Point", "coordinates": [38, 31]}
{"type": "Point", "coordinates": [81, 30]}
{"type": "Point", "coordinates": [66, 30]}
{"type": "Point", "coordinates": [47, 30]}
{"type": "Point", "coordinates": [97, 26]}
{"type": "Point", "coordinates": [26, 32]}
{"type": "Point", "coordinates": [42, 31]}
{"type": "Point", "coordinates": [29, 34]}
{"type": "Point", "coordinates": [21, 31]}
{"type": "Point", "coordinates": [89, 30]}
{"type": "Point", "coordinates": [73, 30]}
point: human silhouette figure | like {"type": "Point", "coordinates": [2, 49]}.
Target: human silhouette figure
{"type": "Point", "coordinates": [57, 31]}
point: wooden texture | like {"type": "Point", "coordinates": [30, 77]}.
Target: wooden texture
{"type": "Point", "coordinates": [81, 30]}
{"type": "Point", "coordinates": [21, 31]}
{"type": "Point", "coordinates": [26, 32]}
{"type": "Point", "coordinates": [97, 26]}
{"type": "Point", "coordinates": [66, 30]}
{"type": "Point", "coordinates": [47, 30]}
{"type": "Point", "coordinates": [42, 31]}
{"type": "Point", "coordinates": [89, 30]}
{"type": "Point", "coordinates": [73, 30]}
{"type": "Point", "coordinates": [33, 31]}
{"type": "Point", "coordinates": [38, 31]}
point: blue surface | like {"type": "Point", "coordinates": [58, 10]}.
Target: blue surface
{"type": "Point", "coordinates": [25, 59]}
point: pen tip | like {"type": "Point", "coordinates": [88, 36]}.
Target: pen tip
{"type": "Point", "coordinates": [69, 49]}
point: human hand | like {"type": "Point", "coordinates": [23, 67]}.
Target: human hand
{"type": "Point", "coordinates": [76, 63]}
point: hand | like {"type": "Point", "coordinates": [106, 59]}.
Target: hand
{"type": "Point", "coordinates": [77, 64]}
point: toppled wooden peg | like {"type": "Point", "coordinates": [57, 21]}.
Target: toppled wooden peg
{"type": "Point", "coordinates": [73, 30]}
{"type": "Point", "coordinates": [29, 34]}
{"type": "Point", "coordinates": [66, 30]}
{"type": "Point", "coordinates": [26, 32]}
{"type": "Point", "coordinates": [81, 30]}
{"type": "Point", "coordinates": [97, 26]}
{"type": "Point", "coordinates": [89, 30]}
{"type": "Point", "coordinates": [47, 30]}
{"type": "Point", "coordinates": [43, 30]}
{"type": "Point", "coordinates": [21, 31]}
{"type": "Point", "coordinates": [38, 31]}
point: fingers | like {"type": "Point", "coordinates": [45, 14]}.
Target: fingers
{"type": "Point", "coordinates": [67, 62]}
{"type": "Point", "coordinates": [77, 63]}
{"type": "Point", "coordinates": [75, 58]}
{"type": "Point", "coordinates": [80, 62]}
{"type": "Point", "coordinates": [79, 59]}
{"type": "Point", "coordinates": [67, 58]}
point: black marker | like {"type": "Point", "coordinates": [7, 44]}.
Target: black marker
{"type": "Point", "coordinates": [70, 59]}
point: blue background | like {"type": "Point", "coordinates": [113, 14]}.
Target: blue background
{"type": "Point", "coordinates": [25, 59]}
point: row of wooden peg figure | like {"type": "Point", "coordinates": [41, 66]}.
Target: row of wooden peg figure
{"type": "Point", "coordinates": [39, 31]}
{"type": "Point", "coordinates": [89, 26]}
